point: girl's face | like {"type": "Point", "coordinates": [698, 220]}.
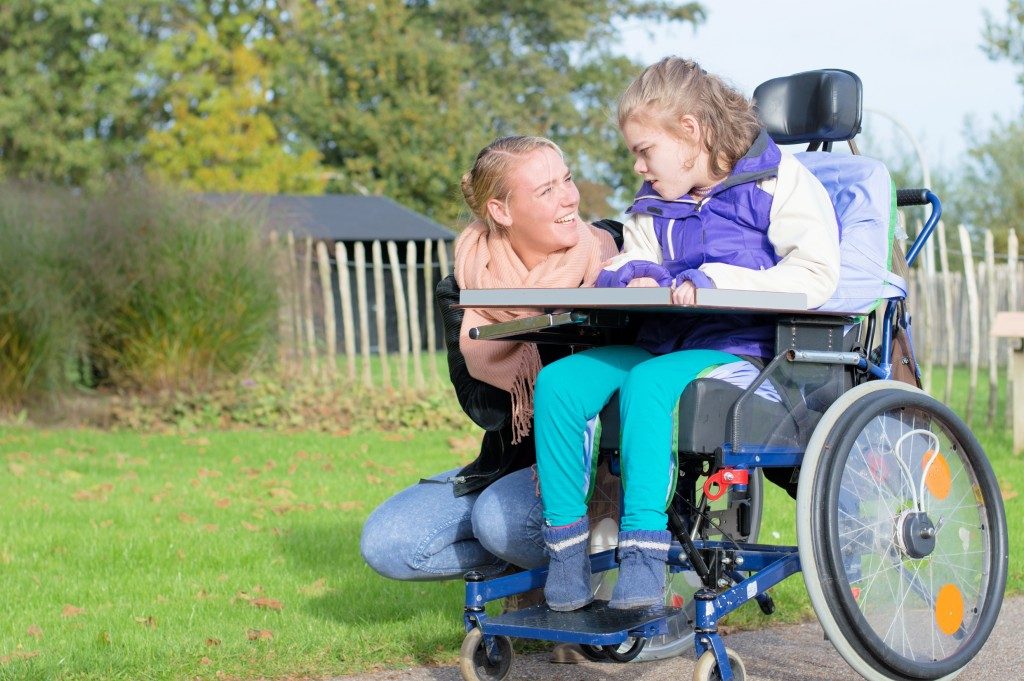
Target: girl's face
{"type": "Point", "coordinates": [673, 164]}
{"type": "Point", "coordinates": [542, 210]}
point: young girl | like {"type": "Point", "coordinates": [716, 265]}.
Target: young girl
{"type": "Point", "coordinates": [720, 206]}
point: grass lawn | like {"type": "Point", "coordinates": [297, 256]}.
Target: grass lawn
{"type": "Point", "coordinates": [235, 554]}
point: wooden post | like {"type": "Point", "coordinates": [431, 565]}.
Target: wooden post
{"type": "Point", "coordinates": [428, 305]}
{"type": "Point", "coordinates": [296, 298]}
{"type": "Point", "coordinates": [364, 312]}
{"type": "Point", "coordinates": [347, 323]}
{"type": "Point", "coordinates": [949, 336]}
{"type": "Point", "coordinates": [442, 257]}
{"type": "Point", "coordinates": [284, 330]}
{"type": "Point", "coordinates": [1011, 305]}
{"type": "Point", "coordinates": [400, 314]}
{"type": "Point", "coordinates": [415, 337]}
{"type": "Point", "coordinates": [307, 306]}
{"type": "Point", "coordinates": [323, 265]}
{"type": "Point", "coordinates": [990, 316]}
{"type": "Point", "coordinates": [971, 284]}
{"type": "Point", "coordinates": [382, 326]}
{"type": "Point", "coordinates": [1011, 325]}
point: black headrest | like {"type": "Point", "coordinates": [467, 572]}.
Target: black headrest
{"type": "Point", "coordinates": [813, 106]}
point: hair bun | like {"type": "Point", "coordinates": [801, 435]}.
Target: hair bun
{"type": "Point", "coordinates": [467, 191]}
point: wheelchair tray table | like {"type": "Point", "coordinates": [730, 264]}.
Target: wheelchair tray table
{"type": "Point", "coordinates": [596, 624]}
{"type": "Point", "coordinates": [581, 314]}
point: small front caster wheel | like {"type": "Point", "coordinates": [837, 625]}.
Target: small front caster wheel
{"type": "Point", "coordinates": [474, 663]}
{"type": "Point", "coordinates": [593, 653]}
{"type": "Point", "coordinates": [618, 654]}
{"type": "Point", "coordinates": [707, 668]}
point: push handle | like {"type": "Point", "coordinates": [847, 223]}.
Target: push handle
{"type": "Point", "coordinates": [912, 197]}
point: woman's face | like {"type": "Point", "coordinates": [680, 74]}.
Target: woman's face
{"type": "Point", "coordinates": [673, 164]}
{"type": "Point", "coordinates": [543, 207]}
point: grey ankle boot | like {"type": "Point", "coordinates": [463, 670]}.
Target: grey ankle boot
{"type": "Point", "coordinates": [568, 582]}
{"type": "Point", "coordinates": [642, 558]}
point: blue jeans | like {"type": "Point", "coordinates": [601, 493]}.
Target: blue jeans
{"type": "Point", "coordinates": [425, 532]}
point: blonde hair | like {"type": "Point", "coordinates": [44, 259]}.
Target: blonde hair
{"type": "Point", "coordinates": [488, 178]}
{"type": "Point", "coordinates": [676, 87]}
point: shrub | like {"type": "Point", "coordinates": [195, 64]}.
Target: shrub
{"type": "Point", "coordinates": [38, 331]}
{"type": "Point", "coordinates": [137, 286]}
{"type": "Point", "coordinates": [179, 291]}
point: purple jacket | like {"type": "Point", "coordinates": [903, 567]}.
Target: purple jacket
{"type": "Point", "coordinates": [728, 226]}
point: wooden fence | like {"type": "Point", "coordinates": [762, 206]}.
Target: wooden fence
{"type": "Point", "coordinates": [384, 301]}
{"type": "Point", "coordinates": [331, 294]}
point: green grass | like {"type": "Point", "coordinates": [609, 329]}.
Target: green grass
{"type": "Point", "coordinates": [164, 544]}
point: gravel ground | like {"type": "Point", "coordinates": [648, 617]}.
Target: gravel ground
{"type": "Point", "coordinates": [782, 653]}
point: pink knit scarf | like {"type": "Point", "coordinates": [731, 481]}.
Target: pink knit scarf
{"type": "Point", "coordinates": [486, 260]}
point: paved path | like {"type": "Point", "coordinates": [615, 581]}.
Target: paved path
{"type": "Point", "coordinates": [785, 653]}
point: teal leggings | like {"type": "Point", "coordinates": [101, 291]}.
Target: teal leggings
{"type": "Point", "coordinates": [568, 397]}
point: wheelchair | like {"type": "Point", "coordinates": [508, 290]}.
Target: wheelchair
{"type": "Point", "coordinates": [901, 531]}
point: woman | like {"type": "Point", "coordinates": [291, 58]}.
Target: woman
{"type": "Point", "coordinates": [527, 234]}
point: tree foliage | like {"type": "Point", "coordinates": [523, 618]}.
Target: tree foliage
{"type": "Point", "coordinates": [385, 96]}
{"type": "Point", "coordinates": [992, 191]}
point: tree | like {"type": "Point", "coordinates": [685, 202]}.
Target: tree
{"type": "Point", "coordinates": [72, 103]}
{"type": "Point", "coordinates": [991, 194]}
{"type": "Point", "coordinates": [399, 96]}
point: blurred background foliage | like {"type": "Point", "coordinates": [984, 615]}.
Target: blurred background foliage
{"type": "Point", "coordinates": [389, 97]}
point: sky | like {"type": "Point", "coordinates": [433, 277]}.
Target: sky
{"type": "Point", "coordinates": [919, 60]}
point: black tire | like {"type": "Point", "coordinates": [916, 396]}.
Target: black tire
{"type": "Point", "coordinates": [617, 654]}
{"type": "Point", "coordinates": [474, 663]}
{"type": "Point", "coordinates": [593, 653]}
{"type": "Point", "coordinates": [902, 534]}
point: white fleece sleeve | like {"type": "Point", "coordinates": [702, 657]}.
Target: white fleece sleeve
{"type": "Point", "coordinates": [805, 235]}
{"type": "Point", "coordinates": [638, 242]}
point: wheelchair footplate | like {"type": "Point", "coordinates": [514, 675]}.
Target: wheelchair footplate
{"type": "Point", "coordinates": [595, 624]}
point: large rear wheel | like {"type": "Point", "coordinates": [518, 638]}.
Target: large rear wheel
{"type": "Point", "coordinates": [902, 534]}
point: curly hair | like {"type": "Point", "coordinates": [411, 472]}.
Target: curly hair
{"type": "Point", "coordinates": [675, 87]}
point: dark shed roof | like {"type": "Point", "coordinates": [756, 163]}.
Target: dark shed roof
{"type": "Point", "coordinates": [339, 217]}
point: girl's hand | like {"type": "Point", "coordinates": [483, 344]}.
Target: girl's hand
{"type": "Point", "coordinates": [643, 282]}
{"type": "Point", "coordinates": [685, 294]}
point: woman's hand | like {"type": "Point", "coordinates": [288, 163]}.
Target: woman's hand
{"type": "Point", "coordinates": [685, 294]}
{"type": "Point", "coordinates": [643, 282]}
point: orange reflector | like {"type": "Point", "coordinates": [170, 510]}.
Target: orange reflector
{"type": "Point", "coordinates": [949, 609]}
{"type": "Point", "coordinates": [677, 601]}
{"type": "Point", "coordinates": [938, 479]}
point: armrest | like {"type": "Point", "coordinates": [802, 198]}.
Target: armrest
{"type": "Point", "coordinates": [488, 406]}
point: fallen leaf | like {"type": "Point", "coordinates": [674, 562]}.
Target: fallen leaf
{"type": "Point", "coordinates": [18, 655]}
{"type": "Point", "coordinates": [1007, 490]}
{"type": "Point", "coordinates": [282, 493]}
{"type": "Point", "coordinates": [250, 526]}
{"type": "Point", "coordinates": [103, 638]}
{"type": "Point", "coordinates": [267, 603]}
{"type": "Point", "coordinates": [222, 503]}
{"type": "Point", "coordinates": [317, 588]}
{"type": "Point", "coordinates": [213, 642]}
{"type": "Point", "coordinates": [186, 518]}
{"type": "Point", "coordinates": [16, 469]}
{"type": "Point", "coordinates": [210, 527]}
{"type": "Point", "coordinates": [71, 611]}
{"type": "Point", "coordinates": [205, 660]}
{"type": "Point", "coordinates": [259, 634]}
{"type": "Point", "coordinates": [148, 621]}
{"type": "Point", "coordinates": [35, 632]}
